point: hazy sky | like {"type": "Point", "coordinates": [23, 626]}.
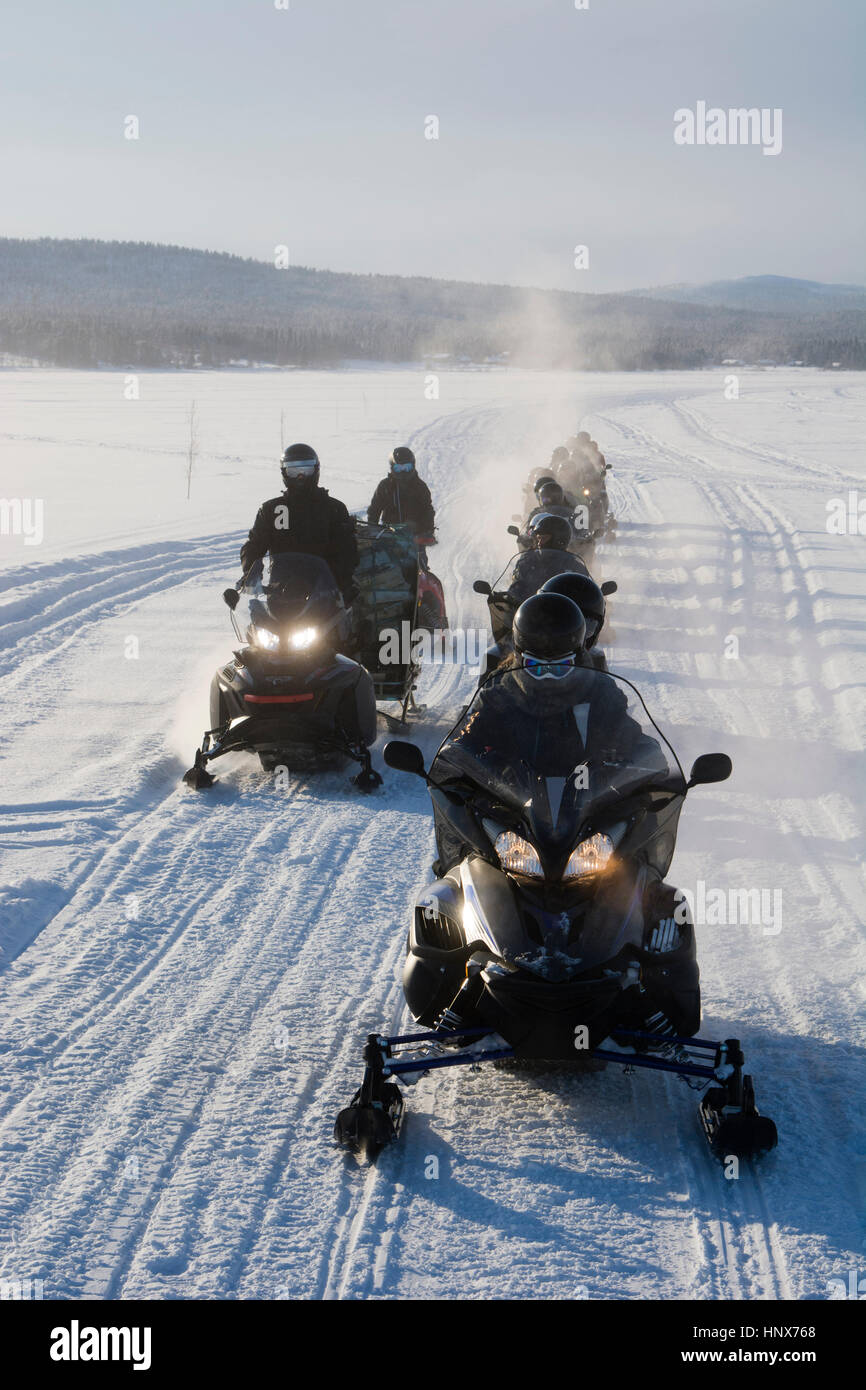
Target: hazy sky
{"type": "Point", "coordinates": [261, 126]}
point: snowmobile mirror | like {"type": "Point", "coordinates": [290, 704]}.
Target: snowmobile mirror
{"type": "Point", "coordinates": [232, 598]}
{"type": "Point", "coordinates": [710, 767]}
{"type": "Point", "coordinates": [405, 757]}
{"type": "Point", "coordinates": [514, 530]}
{"type": "Point", "coordinates": [482, 587]}
{"type": "Point", "coordinates": [609, 587]}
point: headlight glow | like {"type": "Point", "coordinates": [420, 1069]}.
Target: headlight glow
{"type": "Point", "coordinates": [303, 638]}
{"type": "Point", "coordinates": [518, 856]}
{"type": "Point", "coordinates": [590, 857]}
{"type": "Point", "coordinates": [265, 638]}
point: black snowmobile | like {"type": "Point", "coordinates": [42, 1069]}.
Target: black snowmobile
{"type": "Point", "coordinates": [290, 694]}
{"type": "Point", "coordinates": [549, 932]}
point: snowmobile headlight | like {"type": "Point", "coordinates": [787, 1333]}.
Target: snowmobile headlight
{"type": "Point", "coordinates": [590, 857]}
{"type": "Point", "coordinates": [302, 639]}
{"type": "Point", "coordinates": [518, 856]}
{"type": "Point", "coordinates": [265, 638]}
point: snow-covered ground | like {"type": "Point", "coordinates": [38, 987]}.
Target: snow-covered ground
{"type": "Point", "coordinates": [187, 979]}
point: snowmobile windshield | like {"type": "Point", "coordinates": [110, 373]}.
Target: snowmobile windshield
{"type": "Point", "coordinates": [292, 603]}
{"type": "Point", "coordinates": [558, 759]}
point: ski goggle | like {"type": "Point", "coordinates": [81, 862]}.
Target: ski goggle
{"type": "Point", "coordinates": [540, 668]}
{"type": "Point", "coordinates": [402, 468]}
{"type": "Point", "coordinates": [301, 468]}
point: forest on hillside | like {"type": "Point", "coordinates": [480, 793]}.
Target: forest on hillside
{"type": "Point", "coordinates": [134, 304]}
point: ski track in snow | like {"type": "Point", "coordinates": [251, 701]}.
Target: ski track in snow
{"type": "Point", "coordinates": [189, 980]}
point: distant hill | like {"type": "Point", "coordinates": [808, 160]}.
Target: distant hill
{"type": "Point", "coordinates": [137, 304]}
{"type": "Point", "coordinates": [774, 294]}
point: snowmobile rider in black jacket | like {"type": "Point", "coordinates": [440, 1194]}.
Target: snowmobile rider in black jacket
{"type": "Point", "coordinates": [304, 519]}
{"type": "Point", "coordinates": [547, 554]}
{"type": "Point", "coordinates": [544, 705]}
{"type": "Point", "coordinates": [403, 498]}
{"type": "Point", "coordinates": [552, 499]}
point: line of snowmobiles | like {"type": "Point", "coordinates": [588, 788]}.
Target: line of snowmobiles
{"type": "Point", "coordinates": [549, 932]}
{"type": "Point", "coordinates": [302, 690]}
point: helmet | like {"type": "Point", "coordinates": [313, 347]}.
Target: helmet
{"type": "Point", "coordinates": [583, 437]}
{"type": "Point", "coordinates": [550, 531]}
{"type": "Point", "coordinates": [559, 455]}
{"type": "Point", "coordinates": [402, 460]}
{"type": "Point", "coordinates": [549, 633]}
{"type": "Point", "coordinates": [586, 594]}
{"type": "Point", "coordinates": [551, 495]}
{"type": "Point", "coordinates": [542, 482]}
{"type": "Point", "coordinates": [300, 464]}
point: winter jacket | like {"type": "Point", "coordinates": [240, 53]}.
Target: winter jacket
{"type": "Point", "coordinates": [403, 498]}
{"type": "Point", "coordinates": [310, 523]}
{"type": "Point", "coordinates": [535, 567]}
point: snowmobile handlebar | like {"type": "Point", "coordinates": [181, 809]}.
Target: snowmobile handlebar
{"type": "Point", "coordinates": [493, 595]}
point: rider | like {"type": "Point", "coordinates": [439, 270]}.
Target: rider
{"type": "Point", "coordinates": [547, 554]}
{"type": "Point", "coordinates": [306, 520]}
{"type": "Point", "coordinates": [552, 499]}
{"type": "Point", "coordinates": [403, 498]}
{"type": "Point", "coordinates": [544, 704]}
{"type": "Point", "coordinates": [589, 468]}
{"type": "Point", "coordinates": [590, 600]}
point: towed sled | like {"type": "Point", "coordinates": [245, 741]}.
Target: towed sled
{"type": "Point", "coordinates": [550, 932]}
{"type": "Point", "coordinates": [294, 694]}
{"type": "Point", "coordinates": [399, 597]}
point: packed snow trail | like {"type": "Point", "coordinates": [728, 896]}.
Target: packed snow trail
{"type": "Point", "coordinates": [189, 979]}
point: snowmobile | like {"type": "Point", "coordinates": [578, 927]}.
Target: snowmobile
{"type": "Point", "coordinates": [290, 694]}
{"type": "Point", "coordinates": [549, 932]}
{"type": "Point", "coordinates": [399, 596]}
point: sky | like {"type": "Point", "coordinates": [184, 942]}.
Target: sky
{"type": "Point", "coordinates": [305, 127]}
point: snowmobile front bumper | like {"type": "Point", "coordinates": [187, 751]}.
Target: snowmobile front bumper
{"type": "Point", "coordinates": [255, 734]}
{"type": "Point", "coordinates": [731, 1122]}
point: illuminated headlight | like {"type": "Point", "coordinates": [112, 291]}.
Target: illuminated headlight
{"type": "Point", "coordinates": [265, 638]}
{"type": "Point", "coordinates": [303, 638]}
{"type": "Point", "coordinates": [590, 857]}
{"type": "Point", "coordinates": [518, 856]}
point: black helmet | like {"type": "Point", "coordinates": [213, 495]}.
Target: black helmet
{"type": "Point", "coordinates": [586, 594]}
{"type": "Point", "coordinates": [550, 531]}
{"type": "Point", "coordinates": [549, 626]}
{"type": "Point", "coordinates": [542, 482]}
{"type": "Point", "coordinates": [551, 495]}
{"type": "Point", "coordinates": [300, 464]}
{"type": "Point", "coordinates": [402, 460]}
